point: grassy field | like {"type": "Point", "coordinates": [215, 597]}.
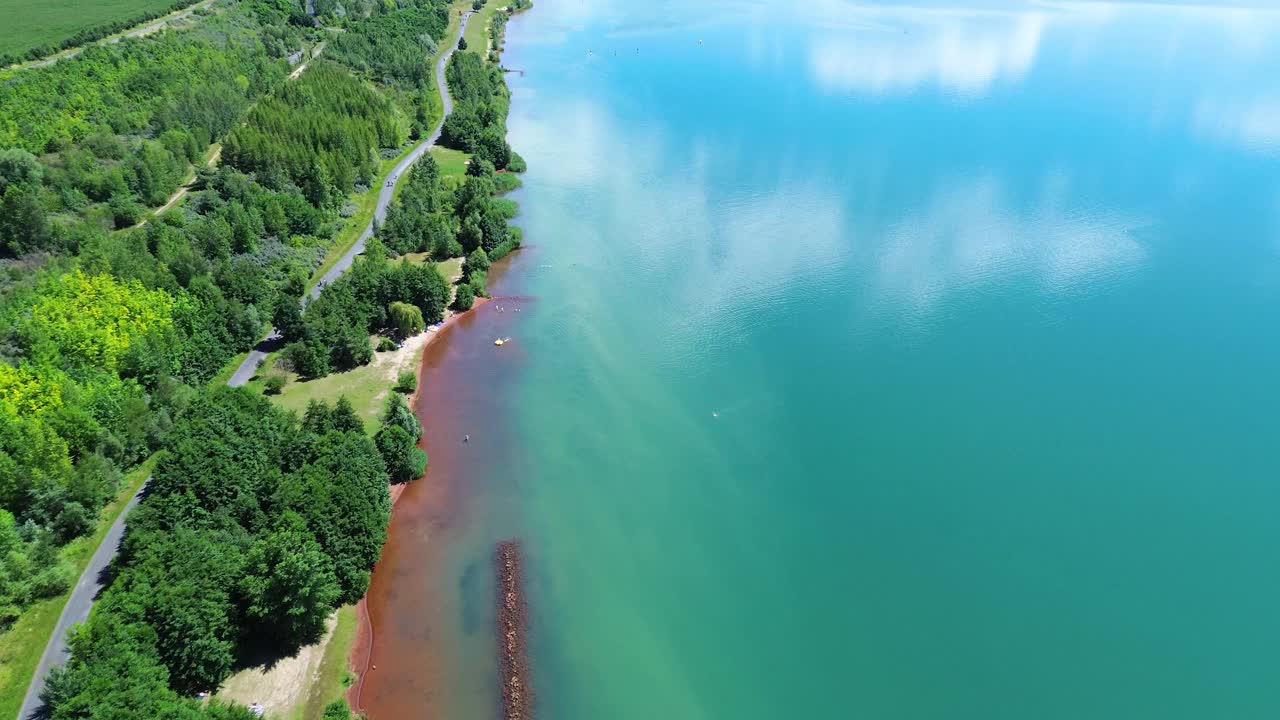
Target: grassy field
{"type": "Point", "coordinates": [366, 387]}
{"type": "Point", "coordinates": [334, 674]}
{"type": "Point", "coordinates": [28, 24]}
{"type": "Point", "coordinates": [22, 644]}
{"type": "Point", "coordinates": [477, 34]}
{"type": "Point", "coordinates": [451, 162]}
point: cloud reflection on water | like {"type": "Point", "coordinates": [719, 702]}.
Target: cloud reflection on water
{"type": "Point", "coordinates": [962, 53]}
{"type": "Point", "coordinates": [971, 233]}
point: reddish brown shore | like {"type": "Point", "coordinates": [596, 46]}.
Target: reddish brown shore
{"type": "Point", "coordinates": [406, 664]}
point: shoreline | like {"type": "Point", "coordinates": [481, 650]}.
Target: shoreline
{"type": "Point", "coordinates": [403, 653]}
{"type": "Point", "coordinates": [409, 642]}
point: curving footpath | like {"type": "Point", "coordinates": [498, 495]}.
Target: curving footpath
{"type": "Point", "coordinates": [91, 580]}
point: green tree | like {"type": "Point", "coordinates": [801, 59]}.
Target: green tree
{"type": "Point", "coordinates": [464, 298]}
{"type": "Point", "coordinates": [341, 492]}
{"type": "Point", "coordinates": [397, 413]}
{"type": "Point", "coordinates": [344, 417]}
{"type": "Point", "coordinates": [289, 588]}
{"type": "Point", "coordinates": [406, 319]}
{"type": "Point", "coordinates": [478, 260]}
{"type": "Point", "coordinates": [404, 462]}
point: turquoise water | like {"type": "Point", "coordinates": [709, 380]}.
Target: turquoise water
{"type": "Point", "coordinates": [898, 363]}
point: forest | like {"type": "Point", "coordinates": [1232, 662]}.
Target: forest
{"type": "Point", "coordinates": [114, 322]}
{"type": "Point", "coordinates": [257, 526]}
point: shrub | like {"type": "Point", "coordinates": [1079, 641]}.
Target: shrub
{"type": "Point", "coordinates": [407, 382]}
{"type": "Point", "coordinates": [386, 344]}
{"type": "Point", "coordinates": [274, 384]}
{"type": "Point", "coordinates": [337, 710]}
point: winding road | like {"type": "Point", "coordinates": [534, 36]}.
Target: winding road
{"type": "Point", "coordinates": [245, 372]}
{"type": "Point", "coordinates": [91, 580]}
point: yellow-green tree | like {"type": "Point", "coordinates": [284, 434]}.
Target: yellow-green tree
{"type": "Point", "coordinates": [91, 320]}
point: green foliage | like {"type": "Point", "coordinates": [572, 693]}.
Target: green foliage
{"type": "Point", "coordinates": [337, 710]}
{"type": "Point", "coordinates": [92, 320]}
{"type": "Point", "coordinates": [477, 261]}
{"type": "Point", "coordinates": [404, 462]}
{"type": "Point", "coordinates": [405, 319]}
{"type": "Point", "coordinates": [320, 133]}
{"type": "Point", "coordinates": [274, 384]}
{"type": "Point", "coordinates": [254, 530]}
{"type": "Point", "coordinates": [481, 100]}
{"type": "Point", "coordinates": [464, 298]}
{"type": "Point", "coordinates": [398, 414]}
{"type": "Point", "coordinates": [357, 304]}
{"type": "Point", "coordinates": [396, 442]}
{"type": "Point", "coordinates": [36, 31]}
{"type": "Point", "coordinates": [407, 382]}
{"type": "Point", "coordinates": [289, 586]}
{"type": "Point", "coordinates": [29, 570]}
{"type": "Point", "coordinates": [390, 46]}
{"type": "Point", "coordinates": [197, 82]}
{"type": "Point", "coordinates": [419, 220]}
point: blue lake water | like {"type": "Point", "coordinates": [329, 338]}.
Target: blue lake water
{"type": "Point", "coordinates": [898, 363]}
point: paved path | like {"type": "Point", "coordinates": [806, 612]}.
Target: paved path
{"type": "Point", "coordinates": [249, 367]}
{"type": "Point", "coordinates": [89, 584]}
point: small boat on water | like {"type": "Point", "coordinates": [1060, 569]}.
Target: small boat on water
{"type": "Point", "coordinates": [502, 341]}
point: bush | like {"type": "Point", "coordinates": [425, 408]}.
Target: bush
{"type": "Point", "coordinates": [386, 344]}
{"type": "Point", "coordinates": [504, 248]}
{"type": "Point", "coordinates": [125, 212]}
{"type": "Point", "coordinates": [274, 384]}
{"type": "Point", "coordinates": [72, 522]}
{"type": "Point", "coordinates": [337, 710]}
{"type": "Point", "coordinates": [516, 164]}
{"type": "Point", "coordinates": [462, 43]}
{"type": "Point", "coordinates": [407, 382]}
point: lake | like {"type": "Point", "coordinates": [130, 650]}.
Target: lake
{"type": "Point", "coordinates": [878, 362]}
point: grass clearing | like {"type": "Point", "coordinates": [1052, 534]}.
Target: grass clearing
{"type": "Point", "coordinates": [334, 675]}
{"type": "Point", "coordinates": [453, 163]}
{"type": "Point", "coordinates": [477, 34]}
{"type": "Point", "coordinates": [23, 643]}
{"type": "Point", "coordinates": [366, 387]}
